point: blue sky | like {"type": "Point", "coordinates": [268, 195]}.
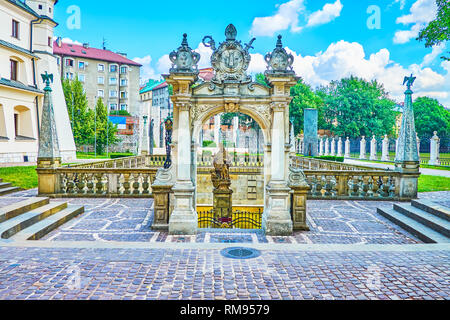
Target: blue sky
{"type": "Point", "coordinates": [330, 38]}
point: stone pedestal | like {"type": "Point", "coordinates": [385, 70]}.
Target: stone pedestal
{"type": "Point", "coordinates": [184, 219]}
{"type": "Point", "coordinates": [298, 207]}
{"type": "Point", "coordinates": [362, 148]}
{"type": "Point", "coordinates": [373, 149]}
{"type": "Point", "coordinates": [223, 203]}
{"type": "Point", "coordinates": [347, 148]}
{"type": "Point", "coordinates": [276, 218]}
{"type": "Point", "coordinates": [434, 150]}
{"type": "Point", "coordinates": [161, 207]}
{"type": "Point", "coordinates": [385, 149]}
{"type": "Point", "coordinates": [162, 190]}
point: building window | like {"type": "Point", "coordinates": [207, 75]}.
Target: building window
{"type": "Point", "coordinates": [123, 69]}
{"type": "Point", "coordinates": [113, 94]}
{"type": "Point", "coordinates": [123, 82]}
{"type": "Point", "coordinates": [112, 80]}
{"type": "Point", "coordinates": [123, 95]}
{"type": "Point", "coordinates": [82, 78]}
{"type": "Point", "coordinates": [69, 63]}
{"type": "Point", "coordinates": [112, 106]}
{"type": "Point", "coordinates": [50, 42]}
{"type": "Point", "coordinates": [101, 68]}
{"type": "Point", "coordinates": [14, 67]}
{"type": "Point", "coordinates": [40, 7]}
{"type": "Point", "coordinates": [81, 65]}
{"type": "Point", "coordinates": [123, 107]}
{"type": "Point", "coordinates": [58, 60]}
{"type": "Point", "coordinates": [69, 75]}
{"type": "Point", "coordinates": [15, 29]}
{"type": "Point", "coordinates": [113, 68]}
{"type": "Point", "coordinates": [101, 80]}
{"type": "Point", "coordinates": [100, 93]}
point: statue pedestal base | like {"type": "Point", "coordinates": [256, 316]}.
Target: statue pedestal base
{"type": "Point", "coordinates": [161, 195]}
{"type": "Point", "coordinates": [298, 207]}
{"type": "Point", "coordinates": [184, 219]}
{"type": "Point", "coordinates": [276, 218]}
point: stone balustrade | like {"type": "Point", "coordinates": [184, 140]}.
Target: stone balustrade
{"type": "Point", "coordinates": [125, 163]}
{"type": "Point", "coordinates": [89, 182]}
{"type": "Point", "coordinates": [319, 164]}
{"type": "Point", "coordinates": [363, 185]}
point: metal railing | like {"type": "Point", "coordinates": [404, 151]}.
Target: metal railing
{"type": "Point", "coordinates": [239, 220]}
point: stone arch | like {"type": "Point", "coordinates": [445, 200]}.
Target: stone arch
{"type": "Point", "coordinates": [212, 111]}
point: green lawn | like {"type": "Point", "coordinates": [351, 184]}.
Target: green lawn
{"type": "Point", "coordinates": [22, 177]}
{"type": "Point", "coordinates": [433, 183]}
{"type": "Point", "coordinates": [91, 155]}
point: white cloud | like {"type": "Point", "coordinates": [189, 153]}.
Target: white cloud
{"type": "Point", "coordinates": [435, 52]}
{"type": "Point", "coordinates": [147, 71]}
{"type": "Point", "coordinates": [68, 40]}
{"type": "Point", "coordinates": [343, 59]}
{"type": "Point", "coordinates": [286, 17]}
{"type": "Point", "coordinates": [421, 13]}
{"type": "Point", "coordinates": [329, 12]}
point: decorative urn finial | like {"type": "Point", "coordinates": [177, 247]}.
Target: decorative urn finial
{"type": "Point", "coordinates": [279, 61]}
{"type": "Point", "coordinates": [184, 60]}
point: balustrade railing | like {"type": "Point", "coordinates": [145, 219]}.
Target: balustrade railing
{"type": "Point", "coordinates": [364, 185]}
{"type": "Point", "coordinates": [125, 163]}
{"type": "Point", "coordinates": [82, 182]}
{"type": "Point", "coordinates": [318, 164]}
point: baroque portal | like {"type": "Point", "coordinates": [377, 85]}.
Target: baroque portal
{"type": "Point", "coordinates": [231, 90]}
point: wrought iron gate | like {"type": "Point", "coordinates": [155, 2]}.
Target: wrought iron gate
{"type": "Point", "coordinates": [239, 220]}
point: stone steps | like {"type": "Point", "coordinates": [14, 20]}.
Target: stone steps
{"type": "Point", "coordinates": [14, 225]}
{"type": "Point", "coordinates": [16, 209]}
{"type": "Point", "coordinates": [33, 218]}
{"type": "Point", "coordinates": [40, 229]}
{"type": "Point", "coordinates": [433, 208]}
{"type": "Point", "coordinates": [428, 219]}
{"type": "Point", "coordinates": [7, 188]}
{"type": "Point", "coordinates": [421, 224]}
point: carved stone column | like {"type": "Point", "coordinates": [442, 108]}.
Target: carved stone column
{"type": "Point", "coordinates": [373, 149]}
{"type": "Point", "coordinates": [144, 144]}
{"type": "Point", "coordinates": [333, 147]}
{"type": "Point", "coordinates": [362, 148]}
{"type": "Point", "coordinates": [321, 147]}
{"type": "Point", "coordinates": [434, 150]}
{"type": "Point", "coordinates": [385, 149]}
{"type": "Point", "coordinates": [339, 152]}
{"type": "Point", "coordinates": [347, 148]}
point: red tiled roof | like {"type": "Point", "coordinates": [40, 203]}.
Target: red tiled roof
{"type": "Point", "coordinates": [75, 50]}
{"type": "Point", "coordinates": [162, 85]}
{"type": "Point", "coordinates": [206, 74]}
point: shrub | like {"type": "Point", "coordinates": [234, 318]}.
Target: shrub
{"type": "Point", "coordinates": [120, 155]}
{"type": "Point", "coordinates": [209, 144]}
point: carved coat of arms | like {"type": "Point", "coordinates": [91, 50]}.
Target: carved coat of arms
{"type": "Point", "coordinates": [231, 59]}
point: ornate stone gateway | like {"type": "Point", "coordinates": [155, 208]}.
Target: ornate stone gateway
{"type": "Point", "coordinates": [231, 90]}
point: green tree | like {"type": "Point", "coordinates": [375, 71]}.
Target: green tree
{"type": "Point", "coordinates": [354, 107]}
{"type": "Point", "coordinates": [431, 116]}
{"type": "Point", "coordinates": [77, 107]}
{"type": "Point", "coordinates": [105, 129]}
{"type": "Point", "coordinates": [437, 30]}
{"type": "Point", "coordinates": [303, 97]}
{"type": "Point", "coordinates": [261, 79]}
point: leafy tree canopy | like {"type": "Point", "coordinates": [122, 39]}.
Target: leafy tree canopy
{"type": "Point", "coordinates": [354, 107]}
{"type": "Point", "coordinates": [438, 30]}
{"type": "Point", "coordinates": [303, 97]}
{"type": "Point", "coordinates": [431, 116]}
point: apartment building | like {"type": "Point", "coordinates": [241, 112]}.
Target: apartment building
{"type": "Point", "coordinates": [26, 40]}
{"type": "Point", "coordinates": [104, 74]}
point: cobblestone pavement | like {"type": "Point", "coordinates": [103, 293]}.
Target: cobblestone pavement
{"type": "Point", "coordinates": [170, 274]}
{"type": "Point", "coordinates": [129, 220]}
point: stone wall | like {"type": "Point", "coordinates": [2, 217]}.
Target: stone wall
{"type": "Point", "coordinates": [247, 189]}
